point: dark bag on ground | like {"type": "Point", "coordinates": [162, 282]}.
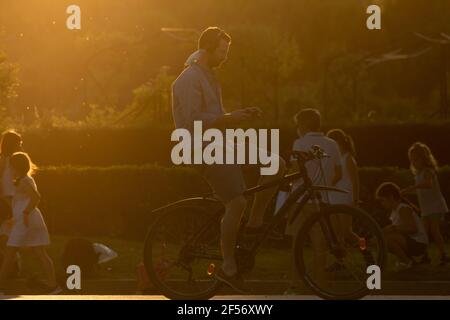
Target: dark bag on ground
{"type": "Point", "coordinates": [80, 252]}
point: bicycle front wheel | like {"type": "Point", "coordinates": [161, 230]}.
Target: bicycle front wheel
{"type": "Point", "coordinates": [181, 251]}
{"type": "Point", "coordinates": [334, 249]}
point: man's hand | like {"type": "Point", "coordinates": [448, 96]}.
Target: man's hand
{"type": "Point", "coordinates": [254, 112]}
{"type": "Point", "coordinates": [237, 116]}
{"type": "Point", "coordinates": [240, 115]}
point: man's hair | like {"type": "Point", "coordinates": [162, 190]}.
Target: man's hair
{"type": "Point", "coordinates": [388, 190]}
{"type": "Point", "coordinates": [308, 119]}
{"type": "Point", "coordinates": [10, 141]}
{"type": "Point", "coordinates": [210, 38]}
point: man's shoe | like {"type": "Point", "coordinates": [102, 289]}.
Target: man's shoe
{"type": "Point", "coordinates": [235, 281]}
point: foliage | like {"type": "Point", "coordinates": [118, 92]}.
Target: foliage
{"type": "Point", "coordinates": [8, 84]}
{"type": "Point", "coordinates": [118, 200]}
{"type": "Point", "coordinates": [280, 53]}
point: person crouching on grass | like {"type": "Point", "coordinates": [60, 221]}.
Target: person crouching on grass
{"type": "Point", "coordinates": [28, 229]}
{"type": "Point", "coordinates": [405, 236]}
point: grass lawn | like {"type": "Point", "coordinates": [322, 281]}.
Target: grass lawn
{"type": "Point", "coordinates": [271, 264]}
{"type": "Point", "coordinates": [124, 266]}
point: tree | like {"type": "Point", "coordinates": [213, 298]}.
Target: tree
{"type": "Point", "coordinates": [151, 102]}
{"type": "Point", "coordinates": [262, 66]}
{"type": "Point", "coordinates": [8, 84]}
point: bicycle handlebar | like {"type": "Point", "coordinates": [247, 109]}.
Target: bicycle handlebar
{"type": "Point", "coordinates": [315, 153]}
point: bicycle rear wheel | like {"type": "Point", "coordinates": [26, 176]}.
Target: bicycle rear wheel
{"type": "Point", "coordinates": [181, 251]}
{"type": "Point", "coordinates": [334, 249]}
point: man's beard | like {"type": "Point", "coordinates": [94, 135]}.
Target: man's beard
{"type": "Point", "coordinates": [216, 64]}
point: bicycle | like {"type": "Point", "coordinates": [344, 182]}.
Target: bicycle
{"type": "Point", "coordinates": [181, 249]}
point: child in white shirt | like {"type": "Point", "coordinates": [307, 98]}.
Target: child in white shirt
{"type": "Point", "coordinates": [327, 171]}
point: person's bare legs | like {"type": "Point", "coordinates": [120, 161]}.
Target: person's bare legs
{"type": "Point", "coordinates": [47, 265]}
{"type": "Point", "coordinates": [8, 262]}
{"type": "Point", "coordinates": [263, 198]}
{"type": "Point", "coordinates": [229, 229]}
{"type": "Point", "coordinates": [435, 232]}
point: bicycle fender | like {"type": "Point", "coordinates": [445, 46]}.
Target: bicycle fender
{"type": "Point", "coordinates": [183, 201]}
{"type": "Point", "coordinates": [325, 188]}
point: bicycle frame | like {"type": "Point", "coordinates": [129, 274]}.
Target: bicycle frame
{"type": "Point", "coordinates": [307, 191]}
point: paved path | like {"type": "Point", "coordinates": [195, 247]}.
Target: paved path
{"type": "Point", "coordinates": [228, 297]}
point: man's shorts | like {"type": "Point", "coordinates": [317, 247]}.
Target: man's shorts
{"type": "Point", "coordinates": [226, 180]}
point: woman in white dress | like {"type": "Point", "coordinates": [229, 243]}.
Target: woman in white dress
{"type": "Point", "coordinates": [28, 229]}
{"type": "Point", "coordinates": [349, 180]}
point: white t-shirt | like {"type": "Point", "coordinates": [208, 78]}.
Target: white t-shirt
{"type": "Point", "coordinates": [420, 235]}
{"type": "Point", "coordinates": [331, 148]}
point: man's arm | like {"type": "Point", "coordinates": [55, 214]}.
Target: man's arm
{"type": "Point", "coordinates": [187, 104]}
{"type": "Point", "coordinates": [187, 100]}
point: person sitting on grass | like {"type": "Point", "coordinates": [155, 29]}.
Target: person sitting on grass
{"type": "Point", "coordinates": [405, 236]}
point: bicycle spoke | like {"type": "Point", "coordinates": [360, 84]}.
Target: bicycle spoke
{"type": "Point", "coordinates": [346, 277]}
{"type": "Point", "coordinates": [186, 239]}
{"type": "Point", "coordinates": [353, 273]}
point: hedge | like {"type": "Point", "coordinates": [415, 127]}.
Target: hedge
{"type": "Point", "coordinates": [118, 200]}
{"type": "Point", "coordinates": [377, 145]}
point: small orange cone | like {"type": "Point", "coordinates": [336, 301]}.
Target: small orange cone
{"type": "Point", "coordinates": [143, 282]}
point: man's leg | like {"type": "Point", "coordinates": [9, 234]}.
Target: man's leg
{"type": "Point", "coordinates": [263, 198]}
{"type": "Point", "coordinates": [229, 186]}
{"type": "Point", "coordinates": [229, 229]}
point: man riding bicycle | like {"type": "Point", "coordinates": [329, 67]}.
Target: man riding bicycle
{"type": "Point", "coordinates": [197, 96]}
